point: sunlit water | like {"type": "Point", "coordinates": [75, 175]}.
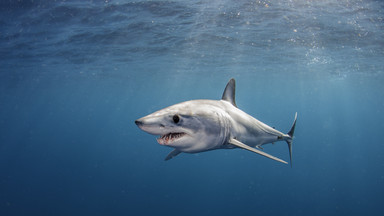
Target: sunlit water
{"type": "Point", "coordinates": [74, 75]}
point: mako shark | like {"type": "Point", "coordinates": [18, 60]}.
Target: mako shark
{"type": "Point", "coordinates": [203, 125]}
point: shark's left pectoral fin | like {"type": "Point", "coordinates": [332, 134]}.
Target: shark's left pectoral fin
{"type": "Point", "coordinates": [172, 154]}
{"type": "Point", "coordinates": [243, 146]}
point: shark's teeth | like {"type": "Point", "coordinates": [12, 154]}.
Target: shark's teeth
{"type": "Point", "coordinates": [169, 137]}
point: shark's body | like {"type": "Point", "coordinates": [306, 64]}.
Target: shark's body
{"type": "Point", "coordinates": [202, 125]}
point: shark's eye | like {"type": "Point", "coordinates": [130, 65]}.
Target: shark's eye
{"type": "Point", "coordinates": [176, 118]}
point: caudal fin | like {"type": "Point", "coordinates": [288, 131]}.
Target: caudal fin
{"type": "Point", "coordinates": [290, 139]}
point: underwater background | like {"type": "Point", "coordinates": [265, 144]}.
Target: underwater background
{"type": "Point", "coordinates": [74, 75]}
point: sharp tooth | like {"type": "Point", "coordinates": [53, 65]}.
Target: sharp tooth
{"type": "Point", "coordinates": [166, 138]}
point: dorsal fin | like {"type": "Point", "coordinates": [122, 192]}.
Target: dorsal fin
{"type": "Point", "coordinates": [229, 92]}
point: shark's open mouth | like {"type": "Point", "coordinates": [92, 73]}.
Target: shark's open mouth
{"type": "Point", "coordinates": [169, 137]}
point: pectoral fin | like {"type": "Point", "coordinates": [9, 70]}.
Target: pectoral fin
{"type": "Point", "coordinates": [243, 146]}
{"type": "Point", "coordinates": [172, 154]}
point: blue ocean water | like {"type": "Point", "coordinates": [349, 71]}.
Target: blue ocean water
{"type": "Point", "coordinates": [74, 75]}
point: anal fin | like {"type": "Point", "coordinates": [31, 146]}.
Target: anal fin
{"type": "Point", "coordinates": [243, 146]}
{"type": "Point", "coordinates": [172, 154]}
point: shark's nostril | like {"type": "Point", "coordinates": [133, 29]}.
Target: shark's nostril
{"type": "Point", "coordinates": [138, 123]}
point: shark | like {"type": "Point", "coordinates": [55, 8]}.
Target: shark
{"type": "Point", "coordinates": [203, 125]}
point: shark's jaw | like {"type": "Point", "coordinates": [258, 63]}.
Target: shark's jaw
{"type": "Point", "coordinates": [170, 138]}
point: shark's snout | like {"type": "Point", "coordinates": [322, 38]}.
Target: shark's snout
{"type": "Point", "coordinates": [150, 125]}
{"type": "Point", "coordinates": [138, 122]}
